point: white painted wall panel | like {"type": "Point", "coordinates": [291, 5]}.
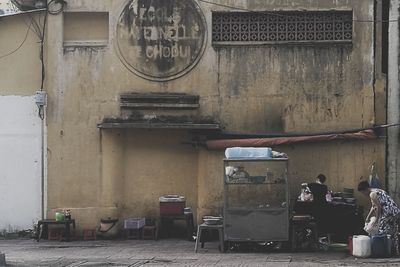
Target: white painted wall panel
{"type": "Point", "coordinates": [20, 163]}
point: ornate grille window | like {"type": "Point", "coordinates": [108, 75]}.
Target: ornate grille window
{"type": "Point", "coordinates": [236, 28]}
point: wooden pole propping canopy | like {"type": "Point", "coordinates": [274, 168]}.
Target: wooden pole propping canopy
{"type": "Point", "coordinates": [371, 133]}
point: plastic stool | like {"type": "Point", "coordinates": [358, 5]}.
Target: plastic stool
{"type": "Point", "coordinates": [133, 233]}
{"type": "Point", "coordinates": [89, 234]}
{"type": "Point", "coordinates": [203, 227]}
{"type": "Point", "coordinates": [72, 235]}
{"type": "Point", "coordinates": [54, 234]}
{"type": "Point", "coordinates": [149, 232]}
{"type": "Point", "coordinates": [301, 224]}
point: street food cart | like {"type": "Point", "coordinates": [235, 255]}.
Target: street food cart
{"type": "Point", "coordinates": [256, 199]}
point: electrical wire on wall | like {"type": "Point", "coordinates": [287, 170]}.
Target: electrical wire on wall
{"type": "Point", "coordinates": [54, 7]}
{"type": "Point", "coordinates": [41, 34]}
{"type": "Point", "coordinates": [21, 44]}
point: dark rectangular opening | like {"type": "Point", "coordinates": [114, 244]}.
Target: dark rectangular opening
{"type": "Point", "coordinates": [385, 35]}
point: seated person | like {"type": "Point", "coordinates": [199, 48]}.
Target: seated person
{"type": "Point", "coordinates": [319, 190]}
{"type": "Point", "coordinates": [319, 210]}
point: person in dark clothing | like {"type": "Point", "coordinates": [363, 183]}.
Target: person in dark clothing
{"type": "Point", "coordinates": [319, 191]}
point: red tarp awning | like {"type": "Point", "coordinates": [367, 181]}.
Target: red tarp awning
{"type": "Point", "coordinates": [367, 134]}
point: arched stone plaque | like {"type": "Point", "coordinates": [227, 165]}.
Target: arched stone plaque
{"type": "Point", "coordinates": [161, 40]}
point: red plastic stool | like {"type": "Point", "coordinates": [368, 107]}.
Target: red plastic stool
{"type": "Point", "coordinates": [89, 234]}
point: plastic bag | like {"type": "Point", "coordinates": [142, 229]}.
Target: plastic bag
{"type": "Point", "coordinates": [306, 194]}
{"type": "Point", "coordinates": [373, 179]}
{"type": "Point", "coordinates": [372, 226]}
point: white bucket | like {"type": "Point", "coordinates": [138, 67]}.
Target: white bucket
{"type": "Point", "coordinates": [361, 246]}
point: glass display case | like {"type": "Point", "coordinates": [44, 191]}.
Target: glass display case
{"type": "Point", "coordinates": [256, 199]}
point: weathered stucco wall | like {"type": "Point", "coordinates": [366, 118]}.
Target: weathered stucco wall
{"type": "Point", "coordinates": [20, 70]}
{"type": "Point", "coordinates": [276, 88]}
{"type": "Point", "coordinates": [20, 125]}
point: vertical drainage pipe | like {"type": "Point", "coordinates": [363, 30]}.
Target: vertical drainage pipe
{"type": "Point", "coordinates": [42, 163]}
{"type": "Point", "coordinates": [393, 110]}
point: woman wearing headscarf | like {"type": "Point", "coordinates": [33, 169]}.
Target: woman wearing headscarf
{"type": "Point", "coordinates": [384, 209]}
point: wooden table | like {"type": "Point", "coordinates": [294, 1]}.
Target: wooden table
{"type": "Point", "coordinates": [340, 219]}
{"type": "Point", "coordinates": [167, 221]}
{"type": "Point", "coordinates": [43, 226]}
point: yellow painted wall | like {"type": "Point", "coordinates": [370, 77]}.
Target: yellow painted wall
{"type": "Point", "coordinates": [96, 26]}
{"type": "Point", "coordinates": [121, 173]}
{"type": "Point", "coordinates": [20, 68]}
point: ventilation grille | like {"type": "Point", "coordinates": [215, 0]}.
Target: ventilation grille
{"type": "Point", "coordinates": [237, 28]}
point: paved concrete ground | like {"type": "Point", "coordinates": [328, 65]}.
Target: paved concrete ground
{"type": "Point", "coordinates": [167, 252]}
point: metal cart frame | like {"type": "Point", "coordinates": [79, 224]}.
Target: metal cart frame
{"type": "Point", "coordinates": [261, 224]}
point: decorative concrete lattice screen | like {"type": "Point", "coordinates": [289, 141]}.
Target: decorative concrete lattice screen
{"type": "Point", "coordinates": [235, 28]}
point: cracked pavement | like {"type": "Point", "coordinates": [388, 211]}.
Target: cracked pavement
{"type": "Point", "coordinates": [166, 252]}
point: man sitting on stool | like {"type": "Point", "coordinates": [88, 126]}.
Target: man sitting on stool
{"type": "Point", "coordinates": [319, 191]}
